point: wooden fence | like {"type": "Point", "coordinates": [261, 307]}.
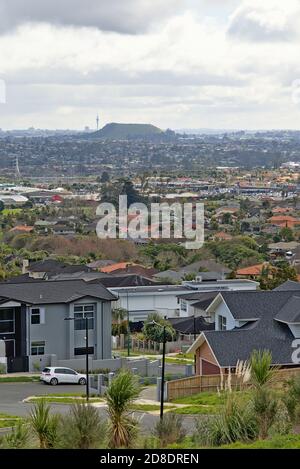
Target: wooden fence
{"type": "Point", "coordinates": [196, 384]}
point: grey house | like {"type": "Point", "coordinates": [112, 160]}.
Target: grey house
{"type": "Point", "coordinates": [32, 321]}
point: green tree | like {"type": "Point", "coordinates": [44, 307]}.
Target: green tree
{"type": "Point", "coordinates": [287, 234]}
{"type": "Point", "coordinates": [122, 427]}
{"type": "Point", "coordinates": [155, 332]}
{"type": "Point", "coordinates": [265, 404]}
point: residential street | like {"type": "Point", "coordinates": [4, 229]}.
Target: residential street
{"type": "Point", "coordinates": [13, 394]}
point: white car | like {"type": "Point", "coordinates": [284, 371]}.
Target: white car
{"type": "Point", "coordinates": [56, 375]}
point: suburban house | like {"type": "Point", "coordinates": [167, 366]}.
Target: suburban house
{"type": "Point", "coordinates": [284, 221]}
{"type": "Point", "coordinates": [168, 300]}
{"type": "Point", "coordinates": [33, 325]}
{"type": "Point", "coordinates": [245, 321]}
{"type": "Point", "coordinates": [196, 300]}
{"type": "Point", "coordinates": [204, 269]}
{"type": "Point", "coordinates": [252, 271]}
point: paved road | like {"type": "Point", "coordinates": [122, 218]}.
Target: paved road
{"type": "Point", "coordinates": [12, 395]}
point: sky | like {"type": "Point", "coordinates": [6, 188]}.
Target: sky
{"type": "Point", "coordinates": [229, 64]}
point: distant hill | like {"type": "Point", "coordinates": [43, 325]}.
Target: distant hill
{"type": "Point", "coordinates": [116, 131]}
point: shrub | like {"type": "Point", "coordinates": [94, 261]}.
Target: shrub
{"type": "Point", "coordinates": [82, 428]}
{"type": "Point", "coordinates": [282, 424]}
{"type": "Point", "coordinates": [169, 430]}
{"type": "Point", "coordinates": [291, 398]}
{"type": "Point", "coordinates": [236, 422]}
{"type": "Point", "coordinates": [18, 438]}
{"type": "Point", "coordinates": [44, 424]}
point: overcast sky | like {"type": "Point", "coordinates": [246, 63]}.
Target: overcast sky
{"type": "Point", "coordinates": [174, 63]}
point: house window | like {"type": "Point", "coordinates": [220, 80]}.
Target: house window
{"type": "Point", "coordinates": [81, 312]}
{"type": "Point", "coordinates": [222, 323]}
{"type": "Point", "coordinates": [183, 305]}
{"type": "Point", "coordinates": [7, 321]}
{"type": "Point", "coordinates": [37, 315]}
{"type": "Point", "coordinates": [37, 348]}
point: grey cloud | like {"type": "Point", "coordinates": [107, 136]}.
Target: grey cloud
{"type": "Point", "coordinates": [123, 16]}
{"type": "Point", "coordinates": [246, 26]}
{"type": "Point", "coordinates": [117, 77]}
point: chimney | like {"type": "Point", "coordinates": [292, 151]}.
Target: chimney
{"type": "Point", "coordinates": [25, 266]}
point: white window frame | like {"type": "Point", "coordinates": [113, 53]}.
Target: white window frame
{"type": "Point", "coordinates": [41, 315]}
{"type": "Point", "coordinates": [10, 320]}
{"type": "Point", "coordinates": [222, 322]}
{"type": "Point", "coordinates": [34, 345]}
{"type": "Point", "coordinates": [183, 305]}
{"type": "Point", "coordinates": [84, 311]}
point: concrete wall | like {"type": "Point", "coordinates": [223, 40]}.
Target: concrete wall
{"type": "Point", "coordinates": [143, 367]}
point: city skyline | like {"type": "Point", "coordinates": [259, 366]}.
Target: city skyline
{"type": "Point", "coordinates": [181, 64]}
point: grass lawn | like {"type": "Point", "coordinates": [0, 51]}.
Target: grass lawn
{"type": "Point", "coordinates": [123, 353]}
{"type": "Point", "coordinates": [291, 441]}
{"type": "Point", "coordinates": [178, 361]}
{"type": "Point", "coordinates": [196, 410]}
{"type": "Point", "coordinates": [63, 400]}
{"type": "Point", "coordinates": [204, 398]}
{"type": "Point", "coordinates": [145, 407]}
{"type": "Point", "coordinates": [8, 420]}
{"type": "Point", "coordinates": [19, 379]}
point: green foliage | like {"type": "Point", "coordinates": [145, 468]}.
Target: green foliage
{"type": "Point", "coordinates": [264, 401]}
{"type": "Point", "coordinates": [287, 234]}
{"type": "Point", "coordinates": [44, 424]}
{"type": "Point", "coordinates": [233, 252]}
{"type": "Point", "coordinates": [236, 422]}
{"type": "Point", "coordinates": [272, 277]}
{"type": "Point", "coordinates": [169, 430]}
{"type": "Point", "coordinates": [262, 373]}
{"type": "Point", "coordinates": [155, 332]}
{"type": "Point", "coordinates": [291, 398]}
{"type": "Point", "coordinates": [18, 438]}
{"type": "Point", "coordinates": [82, 428]}
{"type": "Point", "coordinates": [122, 427]}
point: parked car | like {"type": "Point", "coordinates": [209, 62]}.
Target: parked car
{"type": "Point", "coordinates": [58, 375]}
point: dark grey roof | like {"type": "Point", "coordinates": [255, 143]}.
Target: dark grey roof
{"type": "Point", "coordinates": [204, 303]}
{"type": "Point", "coordinates": [254, 304]}
{"type": "Point", "coordinates": [53, 266]}
{"type": "Point", "coordinates": [289, 285]}
{"type": "Point", "coordinates": [45, 292]}
{"type": "Point", "coordinates": [198, 295]}
{"type": "Point", "coordinates": [23, 278]}
{"type": "Point", "coordinates": [263, 333]}
{"type": "Point", "coordinates": [209, 265]}
{"type": "Point", "coordinates": [189, 326]}
{"type": "Point", "coordinates": [238, 344]}
{"type": "Point", "coordinates": [127, 280]}
{"type": "Point", "coordinates": [290, 312]}
{"type": "Point", "coordinates": [210, 276]}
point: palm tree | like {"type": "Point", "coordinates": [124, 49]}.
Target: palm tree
{"type": "Point", "coordinates": [262, 372]}
{"type": "Point", "coordinates": [118, 315]}
{"type": "Point", "coordinates": [44, 424]}
{"type": "Point", "coordinates": [122, 429]}
{"type": "Point", "coordinates": [264, 403]}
